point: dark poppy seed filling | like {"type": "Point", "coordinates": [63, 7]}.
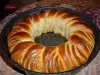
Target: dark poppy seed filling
{"type": "Point", "coordinates": [50, 39]}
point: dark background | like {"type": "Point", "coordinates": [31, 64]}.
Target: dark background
{"type": "Point", "coordinates": [17, 3]}
{"type": "Point", "coordinates": [2, 11]}
{"type": "Point", "coordinates": [20, 3]}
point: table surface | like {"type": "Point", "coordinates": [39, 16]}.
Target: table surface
{"type": "Point", "coordinates": [92, 69]}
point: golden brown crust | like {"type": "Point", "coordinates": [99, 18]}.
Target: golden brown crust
{"type": "Point", "coordinates": [51, 59]}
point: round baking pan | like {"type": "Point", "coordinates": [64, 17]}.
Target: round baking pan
{"type": "Point", "coordinates": [10, 24]}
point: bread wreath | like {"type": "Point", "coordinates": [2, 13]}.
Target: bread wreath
{"type": "Point", "coordinates": [63, 57]}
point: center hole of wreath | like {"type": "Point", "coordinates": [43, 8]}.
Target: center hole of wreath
{"type": "Point", "coordinates": [50, 39]}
